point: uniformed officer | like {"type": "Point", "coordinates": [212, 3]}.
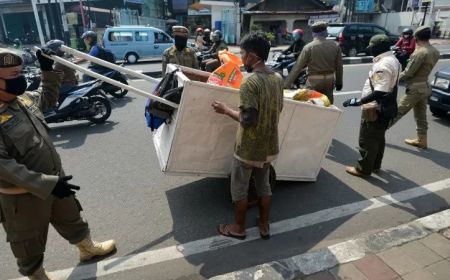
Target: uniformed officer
{"type": "Point", "coordinates": [415, 76]}
{"type": "Point", "coordinates": [324, 61]}
{"type": "Point", "coordinates": [69, 76]}
{"type": "Point", "coordinates": [34, 191]}
{"type": "Point", "coordinates": [179, 53]}
{"type": "Point", "coordinates": [211, 61]}
{"type": "Point", "coordinates": [379, 106]}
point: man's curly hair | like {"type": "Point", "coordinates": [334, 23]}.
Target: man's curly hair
{"type": "Point", "coordinates": [257, 43]}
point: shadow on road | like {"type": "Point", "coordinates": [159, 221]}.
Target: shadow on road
{"type": "Point", "coordinates": [197, 208]}
{"type": "Point", "coordinates": [342, 153]}
{"type": "Point", "coordinates": [438, 157]}
{"type": "Point", "coordinates": [121, 102]}
{"type": "Point", "coordinates": [74, 135]}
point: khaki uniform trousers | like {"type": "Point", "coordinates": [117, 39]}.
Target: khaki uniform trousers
{"type": "Point", "coordinates": [371, 146]}
{"type": "Point", "coordinates": [416, 98]}
{"type": "Point", "coordinates": [323, 84]}
{"type": "Point", "coordinates": [26, 217]}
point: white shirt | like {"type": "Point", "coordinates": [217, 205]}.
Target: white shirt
{"type": "Point", "coordinates": [384, 75]}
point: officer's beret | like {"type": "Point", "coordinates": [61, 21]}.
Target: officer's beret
{"type": "Point", "coordinates": [9, 58]}
{"type": "Point", "coordinates": [380, 39]}
{"type": "Point", "coordinates": [423, 31]}
{"type": "Point", "coordinates": [180, 30]}
{"type": "Point", "coordinates": [319, 26]}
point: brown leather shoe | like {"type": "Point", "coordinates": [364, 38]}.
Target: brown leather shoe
{"type": "Point", "coordinates": [353, 171]}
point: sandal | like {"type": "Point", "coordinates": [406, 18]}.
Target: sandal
{"type": "Point", "coordinates": [224, 229]}
{"type": "Point", "coordinates": [264, 234]}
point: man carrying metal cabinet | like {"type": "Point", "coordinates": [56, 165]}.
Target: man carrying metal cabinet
{"type": "Point", "coordinates": [261, 102]}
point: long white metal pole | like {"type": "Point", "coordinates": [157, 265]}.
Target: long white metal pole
{"type": "Point", "coordinates": [109, 80]}
{"type": "Point", "coordinates": [108, 64]}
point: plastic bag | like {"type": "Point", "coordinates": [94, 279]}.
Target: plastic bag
{"type": "Point", "coordinates": [228, 75]}
{"type": "Point", "coordinates": [229, 57]}
{"type": "Point", "coordinates": [312, 96]}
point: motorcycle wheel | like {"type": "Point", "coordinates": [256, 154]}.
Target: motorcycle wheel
{"type": "Point", "coordinates": [119, 93]}
{"type": "Point", "coordinates": [101, 106]}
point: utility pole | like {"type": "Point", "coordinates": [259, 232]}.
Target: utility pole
{"type": "Point", "coordinates": [64, 23]}
{"type": "Point", "coordinates": [38, 22]}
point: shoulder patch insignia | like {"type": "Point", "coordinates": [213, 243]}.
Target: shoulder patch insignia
{"type": "Point", "coordinates": [378, 76]}
{"type": "Point", "coordinates": [25, 101]}
{"type": "Point", "coordinates": [5, 117]}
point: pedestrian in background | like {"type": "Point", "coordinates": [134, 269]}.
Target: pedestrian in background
{"type": "Point", "coordinates": [34, 191]}
{"type": "Point", "coordinates": [415, 76]}
{"type": "Point", "coordinates": [379, 106]}
{"type": "Point", "coordinates": [199, 42]}
{"type": "Point", "coordinates": [179, 53]}
{"type": "Point", "coordinates": [261, 102]}
{"type": "Point", "coordinates": [324, 61]}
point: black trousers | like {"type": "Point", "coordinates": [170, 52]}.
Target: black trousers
{"type": "Point", "coordinates": [371, 145]}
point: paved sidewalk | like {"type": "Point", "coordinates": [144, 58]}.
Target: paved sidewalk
{"type": "Point", "coordinates": [424, 259]}
{"type": "Point", "coordinates": [419, 250]}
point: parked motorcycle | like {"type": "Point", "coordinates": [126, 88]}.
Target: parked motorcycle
{"type": "Point", "coordinates": [33, 77]}
{"type": "Point", "coordinates": [115, 91]}
{"type": "Point", "coordinates": [279, 64]}
{"type": "Point", "coordinates": [86, 101]}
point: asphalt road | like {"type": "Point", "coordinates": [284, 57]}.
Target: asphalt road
{"type": "Point", "coordinates": [125, 196]}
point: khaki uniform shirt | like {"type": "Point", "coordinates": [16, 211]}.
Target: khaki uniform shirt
{"type": "Point", "coordinates": [420, 65]}
{"type": "Point", "coordinates": [322, 57]}
{"type": "Point", "coordinates": [28, 159]}
{"type": "Point", "coordinates": [384, 76]}
{"type": "Point", "coordinates": [68, 74]}
{"type": "Point", "coordinates": [186, 57]}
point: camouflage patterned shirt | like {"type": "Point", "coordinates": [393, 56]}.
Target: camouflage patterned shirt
{"type": "Point", "coordinates": [258, 144]}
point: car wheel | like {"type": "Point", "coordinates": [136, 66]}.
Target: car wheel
{"type": "Point", "coordinates": [438, 112]}
{"type": "Point", "coordinates": [131, 58]}
{"type": "Point", "coordinates": [352, 52]}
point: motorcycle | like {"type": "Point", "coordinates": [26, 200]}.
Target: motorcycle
{"type": "Point", "coordinates": [279, 64]}
{"type": "Point", "coordinates": [86, 101]}
{"type": "Point", "coordinates": [33, 77]}
{"type": "Point", "coordinates": [28, 56]}
{"type": "Point", "coordinates": [108, 88]}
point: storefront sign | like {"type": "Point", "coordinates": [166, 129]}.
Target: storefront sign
{"type": "Point", "coordinates": [333, 18]}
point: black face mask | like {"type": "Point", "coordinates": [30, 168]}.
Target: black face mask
{"type": "Point", "coordinates": [180, 43]}
{"type": "Point", "coordinates": [16, 86]}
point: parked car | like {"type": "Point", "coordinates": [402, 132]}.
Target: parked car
{"type": "Point", "coordinates": [353, 38]}
{"type": "Point", "coordinates": [132, 43]}
{"type": "Point", "coordinates": [439, 100]}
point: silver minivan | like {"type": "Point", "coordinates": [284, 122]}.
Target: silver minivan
{"type": "Point", "coordinates": [133, 43]}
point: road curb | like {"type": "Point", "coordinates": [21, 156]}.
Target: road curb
{"type": "Point", "coordinates": [344, 252]}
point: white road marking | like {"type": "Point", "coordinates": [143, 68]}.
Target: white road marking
{"type": "Point", "coordinates": [130, 262]}
{"type": "Point", "coordinates": [344, 252]}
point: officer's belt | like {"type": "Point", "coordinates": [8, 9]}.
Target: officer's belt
{"type": "Point", "coordinates": [321, 76]}
{"type": "Point", "coordinates": [418, 84]}
{"type": "Point", "coordinates": [13, 190]}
